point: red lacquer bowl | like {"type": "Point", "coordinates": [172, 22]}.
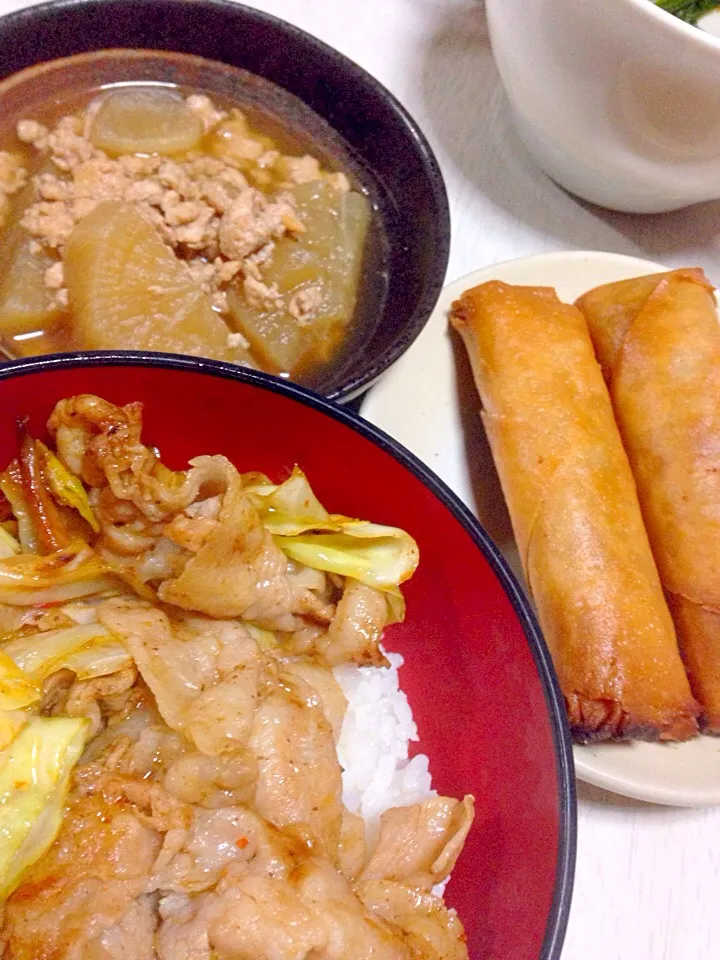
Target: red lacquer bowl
{"type": "Point", "coordinates": [478, 675]}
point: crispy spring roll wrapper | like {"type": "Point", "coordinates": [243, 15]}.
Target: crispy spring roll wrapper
{"type": "Point", "coordinates": [658, 341]}
{"type": "Point", "coordinates": [575, 515]}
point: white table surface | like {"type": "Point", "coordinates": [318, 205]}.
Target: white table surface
{"type": "Point", "coordinates": [648, 877]}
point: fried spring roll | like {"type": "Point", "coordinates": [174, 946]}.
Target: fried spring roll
{"type": "Point", "coordinates": [575, 515]}
{"type": "Point", "coordinates": [658, 341]}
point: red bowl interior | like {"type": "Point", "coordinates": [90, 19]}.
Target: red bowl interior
{"type": "Point", "coordinates": [476, 672]}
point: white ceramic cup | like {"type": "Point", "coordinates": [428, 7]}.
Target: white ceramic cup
{"type": "Point", "coordinates": [618, 100]}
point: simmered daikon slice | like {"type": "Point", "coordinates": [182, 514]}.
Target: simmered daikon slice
{"type": "Point", "coordinates": [145, 120]}
{"type": "Point", "coordinates": [331, 247]}
{"type": "Point", "coordinates": [280, 344]}
{"type": "Point", "coordinates": [129, 291]}
{"type": "Point", "coordinates": [323, 264]}
{"type": "Point", "coordinates": [26, 302]}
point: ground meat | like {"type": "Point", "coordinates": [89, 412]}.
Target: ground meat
{"type": "Point", "coordinates": [13, 177]}
{"type": "Point", "coordinates": [259, 294]}
{"type": "Point", "coordinates": [251, 222]}
{"type": "Point", "coordinates": [55, 276]}
{"type": "Point", "coordinates": [208, 208]}
{"type": "Point", "coordinates": [237, 340]}
{"type": "Point", "coordinates": [305, 303]}
{"type": "Point", "coordinates": [205, 109]}
{"type": "Point", "coordinates": [301, 169]}
{"type": "Point", "coordinates": [198, 206]}
{"type": "Point", "coordinates": [213, 277]}
{"type": "Point", "coordinates": [203, 207]}
{"type": "Point", "coordinates": [55, 281]}
{"type": "Point", "coordinates": [67, 145]}
{"type": "Point", "coordinates": [30, 131]}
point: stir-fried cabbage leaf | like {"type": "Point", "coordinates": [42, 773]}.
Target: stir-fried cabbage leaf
{"type": "Point", "coordinates": [66, 487]}
{"type": "Point", "coordinates": [11, 723]}
{"type": "Point", "coordinates": [17, 689]}
{"type": "Point", "coordinates": [34, 779]}
{"type": "Point", "coordinates": [77, 571]}
{"type": "Point", "coordinates": [48, 521]}
{"type": "Point", "coordinates": [39, 488]}
{"type": "Point", "coordinates": [287, 508]}
{"type": "Point", "coordinates": [265, 639]}
{"type": "Point", "coordinates": [98, 659]}
{"type": "Point", "coordinates": [88, 649]}
{"type": "Point", "coordinates": [9, 546]}
{"type": "Point", "coordinates": [378, 556]}
{"type": "Point", "coordinates": [11, 486]}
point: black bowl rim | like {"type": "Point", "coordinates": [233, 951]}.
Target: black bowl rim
{"type": "Point", "coordinates": [567, 813]}
{"type": "Point", "coordinates": [435, 279]}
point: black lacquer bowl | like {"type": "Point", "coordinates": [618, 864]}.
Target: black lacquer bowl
{"type": "Point", "coordinates": [356, 115]}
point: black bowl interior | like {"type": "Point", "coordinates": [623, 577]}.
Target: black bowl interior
{"type": "Point", "coordinates": [404, 179]}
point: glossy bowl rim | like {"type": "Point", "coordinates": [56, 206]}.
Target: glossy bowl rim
{"type": "Point", "coordinates": [353, 384]}
{"type": "Point", "coordinates": [567, 813]}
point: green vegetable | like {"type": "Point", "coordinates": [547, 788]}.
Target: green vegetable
{"type": "Point", "coordinates": [288, 508]}
{"type": "Point", "coordinates": [89, 650]}
{"type": "Point", "coordinates": [378, 556]}
{"type": "Point", "coordinates": [48, 522]}
{"type": "Point", "coordinates": [688, 10]}
{"type": "Point", "coordinates": [34, 778]}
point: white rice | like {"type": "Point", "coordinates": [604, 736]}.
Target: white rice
{"type": "Point", "coordinates": [374, 743]}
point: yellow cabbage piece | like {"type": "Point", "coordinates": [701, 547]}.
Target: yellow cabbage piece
{"type": "Point", "coordinates": [27, 579]}
{"type": "Point", "coordinates": [9, 546]}
{"type": "Point", "coordinates": [34, 779]}
{"type": "Point", "coordinates": [87, 649]}
{"type": "Point", "coordinates": [66, 487]}
{"type": "Point", "coordinates": [288, 508]}
{"type": "Point", "coordinates": [11, 486]}
{"type": "Point", "coordinates": [98, 659]}
{"type": "Point", "coordinates": [378, 556]}
{"type": "Point", "coordinates": [265, 639]}
{"type": "Point", "coordinates": [11, 723]}
{"type": "Point", "coordinates": [17, 689]}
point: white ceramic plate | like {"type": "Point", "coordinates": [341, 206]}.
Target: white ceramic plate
{"type": "Point", "coordinates": [428, 402]}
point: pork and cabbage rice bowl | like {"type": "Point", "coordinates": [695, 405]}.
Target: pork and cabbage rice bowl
{"type": "Point", "coordinates": [204, 742]}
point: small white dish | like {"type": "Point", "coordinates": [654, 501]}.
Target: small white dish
{"type": "Point", "coordinates": [428, 402]}
{"type": "Point", "coordinates": [618, 100]}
